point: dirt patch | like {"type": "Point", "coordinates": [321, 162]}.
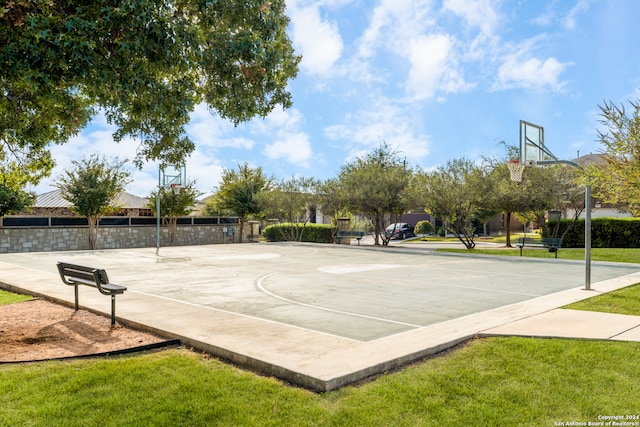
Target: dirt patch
{"type": "Point", "coordinates": [40, 330]}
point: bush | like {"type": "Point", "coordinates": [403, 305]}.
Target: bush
{"type": "Point", "coordinates": [314, 233]}
{"type": "Point", "coordinates": [423, 227]}
{"type": "Point", "coordinates": [605, 233]}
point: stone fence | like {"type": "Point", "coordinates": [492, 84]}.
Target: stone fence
{"type": "Point", "coordinates": [44, 234]}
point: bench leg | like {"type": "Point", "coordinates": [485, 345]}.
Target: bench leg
{"type": "Point", "coordinates": [75, 291]}
{"type": "Point", "coordinates": [113, 309]}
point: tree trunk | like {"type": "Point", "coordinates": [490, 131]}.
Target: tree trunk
{"type": "Point", "coordinates": [93, 231]}
{"type": "Point", "coordinates": [241, 230]}
{"type": "Point", "coordinates": [508, 227]}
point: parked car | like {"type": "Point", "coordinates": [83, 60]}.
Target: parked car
{"type": "Point", "coordinates": [400, 230]}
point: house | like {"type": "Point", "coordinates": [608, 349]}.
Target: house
{"type": "Point", "coordinates": [52, 204]}
{"type": "Point", "coordinates": [599, 209]}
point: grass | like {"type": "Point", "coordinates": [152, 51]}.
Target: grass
{"type": "Point", "coordinates": [628, 255]}
{"type": "Point", "coordinates": [491, 381]}
{"type": "Point", "coordinates": [10, 297]}
{"type": "Point", "coordinates": [622, 301]}
{"type": "Point", "coordinates": [495, 381]}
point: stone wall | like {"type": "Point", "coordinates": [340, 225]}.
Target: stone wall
{"type": "Point", "coordinates": [45, 239]}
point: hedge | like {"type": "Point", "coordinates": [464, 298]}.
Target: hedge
{"type": "Point", "coordinates": [605, 233]}
{"type": "Point", "coordinates": [315, 233]}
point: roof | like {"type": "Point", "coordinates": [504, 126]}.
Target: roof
{"type": "Point", "coordinates": [53, 199]}
{"type": "Point", "coordinates": [591, 159]}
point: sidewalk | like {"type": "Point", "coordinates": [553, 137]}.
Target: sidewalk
{"type": "Point", "coordinates": [561, 323]}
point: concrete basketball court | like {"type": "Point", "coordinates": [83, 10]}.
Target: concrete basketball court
{"type": "Point", "coordinates": [320, 316]}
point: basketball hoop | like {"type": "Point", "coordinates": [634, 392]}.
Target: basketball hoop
{"type": "Point", "coordinates": [174, 187]}
{"type": "Point", "coordinates": [515, 169]}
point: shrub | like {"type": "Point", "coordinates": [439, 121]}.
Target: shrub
{"type": "Point", "coordinates": [605, 233]}
{"type": "Point", "coordinates": [315, 233]}
{"type": "Point", "coordinates": [423, 227]}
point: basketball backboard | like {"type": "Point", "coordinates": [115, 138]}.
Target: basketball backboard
{"type": "Point", "coordinates": [173, 176]}
{"type": "Point", "coordinates": [532, 148]}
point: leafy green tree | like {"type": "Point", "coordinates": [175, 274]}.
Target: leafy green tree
{"type": "Point", "coordinates": [12, 200]}
{"type": "Point", "coordinates": [238, 192]}
{"type": "Point", "coordinates": [378, 187]}
{"type": "Point", "coordinates": [618, 181]}
{"type": "Point", "coordinates": [291, 201]}
{"type": "Point", "coordinates": [332, 204]}
{"type": "Point", "coordinates": [454, 193]}
{"type": "Point", "coordinates": [542, 188]}
{"type": "Point", "coordinates": [145, 63]}
{"type": "Point", "coordinates": [551, 188]}
{"type": "Point", "coordinates": [91, 186]}
{"type": "Point", "coordinates": [174, 203]}
{"type": "Point", "coordinates": [507, 196]}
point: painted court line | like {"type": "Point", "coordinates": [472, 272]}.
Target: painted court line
{"type": "Point", "coordinates": [248, 316]}
{"type": "Point", "coordinates": [330, 310]}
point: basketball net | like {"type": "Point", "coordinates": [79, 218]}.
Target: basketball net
{"type": "Point", "coordinates": [515, 169]}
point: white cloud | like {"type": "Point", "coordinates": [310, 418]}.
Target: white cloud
{"type": "Point", "coordinates": [407, 29]}
{"type": "Point", "coordinates": [477, 13]}
{"type": "Point", "coordinates": [205, 170]}
{"type": "Point", "coordinates": [318, 40]}
{"type": "Point", "coordinates": [295, 148]}
{"type": "Point", "coordinates": [397, 126]}
{"type": "Point", "coordinates": [553, 16]}
{"type": "Point", "coordinates": [208, 130]}
{"type": "Point", "coordinates": [392, 24]}
{"type": "Point", "coordinates": [289, 142]}
{"type": "Point", "coordinates": [581, 7]}
{"type": "Point", "coordinates": [519, 70]}
{"type": "Point", "coordinates": [433, 67]}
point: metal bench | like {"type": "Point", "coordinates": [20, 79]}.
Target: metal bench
{"type": "Point", "coordinates": [553, 244]}
{"type": "Point", "coordinates": [344, 234]}
{"type": "Point", "coordinates": [75, 275]}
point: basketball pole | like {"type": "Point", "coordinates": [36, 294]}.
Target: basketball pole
{"type": "Point", "coordinates": [587, 236]}
{"type": "Point", "coordinates": [158, 211]}
{"type": "Point", "coordinates": [587, 221]}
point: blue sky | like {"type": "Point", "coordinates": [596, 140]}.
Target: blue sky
{"type": "Point", "coordinates": [437, 80]}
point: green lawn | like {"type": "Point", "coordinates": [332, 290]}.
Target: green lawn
{"type": "Point", "coordinates": [486, 382]}
{"type": "Point", "coordinates": [597, 254]}
{"type": "Point", "coordinates": [622, 301]}
{"type": "Point", "coordinates": [10, 297]}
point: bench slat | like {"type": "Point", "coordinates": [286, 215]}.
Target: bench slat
{"type": "Point", "coordinates": [551, 243]}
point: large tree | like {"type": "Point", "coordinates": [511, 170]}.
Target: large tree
{"type": "Point", "coordinates": [454, 193]}
{"type": "Point", "coordinates": [238, 193]}
{"type": "Point", "coordinates": [91, 186]}
{"type": "Point", "coordinates": [378, 187]}
{"type": "Point", "coordinates": [618, 181]}
{"type": "Point", "coordinates": [145, 63]}
{"type": "Point", "coordinates": [551, 188]}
